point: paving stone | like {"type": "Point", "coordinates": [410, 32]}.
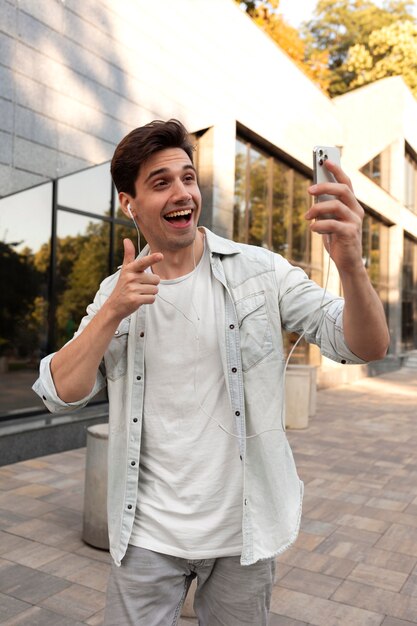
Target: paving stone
{"type": "Point", "coordinates": [76, 601]}
{"type": "Point", "coordinates": [378, 577]}
{"type": "Point", "coordinates": [33, 554]}
{"type": "Point", "coordinates": [355, 561]}
{"type": "Point", "coordinates": [378, 600]}
{"type": "Point", "coordinates": [35, 616]}
{"type": "Point", "coordinates": [28, 584]}
{"type": "Point", "coordinates": [392, 621]}
{"type": "Point", "coordinates": [312, 583]}
{"type": "Point", "coordinates": [322, 563]}
{"type": "Point", "coordinates": [280, 620]}
{"type": "Point", "coordinates": [96, 620]}
{"type": "Point", "coordinates": [10, 606]}
{"type": "Point", "coordinates": [95, 576]}
{"type": "Point", "coordinates": [319, 611]}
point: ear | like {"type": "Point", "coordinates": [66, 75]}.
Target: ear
{"type": "Point", "coordinates": [125, 200]}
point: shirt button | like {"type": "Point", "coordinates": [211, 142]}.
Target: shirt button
{"type": "Point", "coordinates": [142, 334]}
{"type": "Point", "coordinates": [234, 370]}
{"type": "Point", "coordinates": [343, 361]}
{"type": "Point", "coordinates": [133, 463]}
{"type": "Point", "coordinates": [129, 506]}
{"type": "Point", "coordinates": [138, 377]}
{"type": "Point", "coordinates": [135, 419]}
{"type": "Point", "coordinates": [237, 413]}
{"type": "Point", "coordinates": [231, 326]}
{"type": "Point", "coordinates": [116, 332]}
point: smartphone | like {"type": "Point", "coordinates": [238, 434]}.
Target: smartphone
{"type": "Point", "coordinates": [320, 172]}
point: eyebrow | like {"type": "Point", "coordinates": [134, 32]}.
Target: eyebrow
{"type": "Point", "coordinates": [165, 170]}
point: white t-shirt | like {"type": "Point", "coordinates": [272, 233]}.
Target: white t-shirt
{"type": "Point", "coordinates": [190, 474]}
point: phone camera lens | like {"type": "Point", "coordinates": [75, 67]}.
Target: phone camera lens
{"type": "Point", "coordinates": [320, 152]}
{"type": "Point", "coordinates": [321, 161]}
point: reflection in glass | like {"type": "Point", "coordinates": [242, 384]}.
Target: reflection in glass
{"type": "Point", "coordinates": [409, 295]}
{"type": "Point", "coordinates": [258, 204]}
{"type": "Point", "coordinates": [375, 254]}
{"type": "Point", "coordinates": [281, 190]}
{"type": "Point", "coordinates": [366, 242]}
{"type": "Point", "coordinates": [271, 200]}
{"type": "Point", "coordinates": [82, 263]}
{"type": "Point", "coordinates": [410, 182]}
{"type": "Point", "coordinates": [88, 190]}
{"type": "Point", "coordinates": [25, 226]}
{"type": "Point", "coordinates": [239, 209]}
{"type": "Point", "coordinates": [125, 230]}
{"type": "Point", "coordinates": [300, 252]}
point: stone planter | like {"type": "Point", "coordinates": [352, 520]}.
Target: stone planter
{"type": "Point", "coordinates": [300, 395]}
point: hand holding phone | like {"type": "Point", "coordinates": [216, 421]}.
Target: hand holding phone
{"type": "Point", "coordinates": [321, 174]}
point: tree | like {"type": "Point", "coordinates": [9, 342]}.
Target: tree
{"type": "Point", "coordinates": [391, 51]}
{"type": "Point", "coordinates": [347, 30]}
{"type": "Point", "coordinates": [20, 283]}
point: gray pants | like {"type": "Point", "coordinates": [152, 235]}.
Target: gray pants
{"type": "Point", "coordinates": [149, 590]}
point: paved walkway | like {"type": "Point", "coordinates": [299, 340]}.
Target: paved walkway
{"type": "Point", "coordinates": [354, 564]}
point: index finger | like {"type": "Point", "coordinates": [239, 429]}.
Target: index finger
{"type": "Point", "coordinates": [338, 173]}
{"type": "Point", "coordinates": [142, 263]}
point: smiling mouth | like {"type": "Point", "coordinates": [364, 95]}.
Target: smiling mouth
{"type": "Point", "coordinates": [182, 216]}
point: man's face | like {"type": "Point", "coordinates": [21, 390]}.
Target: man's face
{"type": "Point", "coordinates": [168, 200]}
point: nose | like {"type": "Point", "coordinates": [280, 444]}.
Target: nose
{"type": "Point", "coordinates": [181, 194]}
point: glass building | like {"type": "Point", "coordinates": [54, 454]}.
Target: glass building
{"type": "Point", "coordinates": [62, 238]}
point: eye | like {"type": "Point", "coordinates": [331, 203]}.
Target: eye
{"type": "Point", "coordinates": [190, 178]}
{"type": "Point", "coordinates": [160, 183]}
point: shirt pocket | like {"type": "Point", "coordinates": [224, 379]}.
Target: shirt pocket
{"type": "Point", "coordinates": [115, 357]}
{"type": "Point", "coordinates": [255, 329]}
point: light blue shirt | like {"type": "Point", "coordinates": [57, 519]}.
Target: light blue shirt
{"type": "Point", "coordinates": [258, 294]}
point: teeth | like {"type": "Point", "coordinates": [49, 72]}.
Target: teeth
{"type": "Point", "coordinates": [179, 213]}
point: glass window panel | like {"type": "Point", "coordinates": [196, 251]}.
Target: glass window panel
{"type": "Point", "coordinates": [280, 208]}
{"type": "Point", "coordinates": [375, 253]}
{"type": "Point", "coordinates": [123, 231]}
{"type": "Point", "coordinates": [366, 248]}
{"type": "Point", "coordinates": [271, 200]}
{"type": "Point", "coordinates": [410, 174]}
{"type": "Point", "coordinates": [258, 205]}
{"type": "Point", "coordinates": [409, 294]}
{"type": "Point", "coordinates": [239, 209]}
{"type": "Point", "coordinates": [300, 230]}
{"type": "Point", "coordinates": [89, 190]}
{"type": "Point", "coordinates": [25, 226]}
{"type": "Point", "coordinates": [376, 169]}
{"type": "Point", "coordinates": [82, 263]}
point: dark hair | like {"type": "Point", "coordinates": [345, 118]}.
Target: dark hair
{"type": "Point", "coordinates": [140, 144]}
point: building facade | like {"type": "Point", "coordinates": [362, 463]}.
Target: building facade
{"type": "Point", "coordinates": [77, 75]}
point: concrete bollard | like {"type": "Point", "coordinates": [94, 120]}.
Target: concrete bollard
{"type": "Point", "coordinates": [300, 395]}
{"type": "Point", "coordinates": [95, 530]}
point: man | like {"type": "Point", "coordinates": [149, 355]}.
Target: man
{"type": "Point", "coordinates": [188, 339]}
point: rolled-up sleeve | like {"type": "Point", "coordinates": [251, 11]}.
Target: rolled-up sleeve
{"type": "Point", "coordinates": [45, 388]}
{"type": "Point", "coordinates": [307, 308]}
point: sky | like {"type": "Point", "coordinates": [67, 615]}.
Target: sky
{"type": "Point", "coordinates": [297, 11]}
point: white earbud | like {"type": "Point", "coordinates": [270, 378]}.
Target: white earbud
{"type": "Point", "coordinates": [129, 210]}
